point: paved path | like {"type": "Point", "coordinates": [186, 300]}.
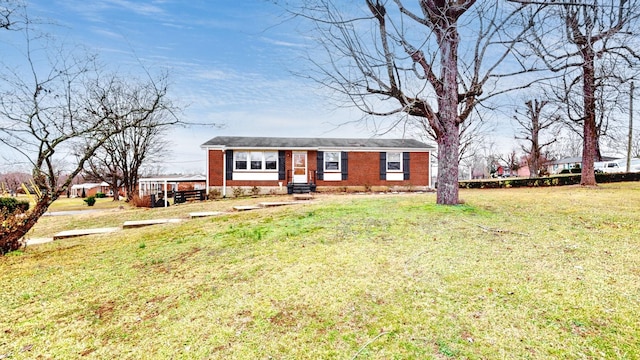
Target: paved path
{"type": "Point", "coordinates": [71, 212]}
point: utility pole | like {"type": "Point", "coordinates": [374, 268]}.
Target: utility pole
{"type": "Point", "coordinates": [630, 128]}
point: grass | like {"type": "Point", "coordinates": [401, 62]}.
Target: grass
{"type": "Point", "coordinates": [513, 273]}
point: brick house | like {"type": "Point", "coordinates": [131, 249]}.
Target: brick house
{"type": "Point", "coordinates": [278, 165]}
{"type": "Point", "coordinates": [89, 189]}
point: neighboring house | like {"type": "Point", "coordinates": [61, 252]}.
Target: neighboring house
{"type": "Point", "coordinates": [276, 165]}
{"type": "Point", "coordinates": [90, 189]}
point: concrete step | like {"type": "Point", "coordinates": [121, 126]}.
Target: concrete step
{"type": "Point", "coordinates": [83, 232]}
{"type": "Point", "coordinates": [205, 214]}
{"type": "Point", "coordinates": [141, 223]}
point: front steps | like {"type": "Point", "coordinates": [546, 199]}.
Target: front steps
{"type": "Point", "coordinates": [300, 188]}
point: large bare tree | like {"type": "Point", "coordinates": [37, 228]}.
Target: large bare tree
{"type": "Point", "coordinates": [395, 60]}
{"type": "Point", "coordinates": [120, 159]}
{"type": "Point", "coordinates": [582, 39]}
{"type": "Point", "coordinates": [47, 109]}
{"type": "Point", "coordinates": [532, 123]}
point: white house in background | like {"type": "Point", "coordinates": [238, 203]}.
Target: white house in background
{"type": "Point", "coordinates": [556, 166]}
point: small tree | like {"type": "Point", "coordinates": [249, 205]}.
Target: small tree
{"type": "Point", "coordinates": [532, 123]}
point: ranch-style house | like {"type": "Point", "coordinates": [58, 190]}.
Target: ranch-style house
{"type": "Point", "coordinates": [298, 165]}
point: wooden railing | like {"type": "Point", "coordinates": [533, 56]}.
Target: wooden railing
{"type": "Point", "coordinates": [180, 197]}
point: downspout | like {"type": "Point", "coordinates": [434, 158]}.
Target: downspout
{"type": "Point", "coordinates": [430, 171]}
{"type": "Point", "coordinates": [206, 171]}
{"type": "Point", "coordinates": [224, 173]}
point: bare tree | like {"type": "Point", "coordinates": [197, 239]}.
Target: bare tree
{"type": "Point", "coordinates": [591, 37]}
{"type": "Point", "coordinates": [393, 60]}
{"type": "Point", "coordinates": [119, 160]}
{"type": "Point", "coordinates": [531, 124]}
{"type": "Point", "coordinates": [9, 14]}
{"type": "Point", "coordinates": [46, 111]}
{"type": "Point", "coordinates": [511, 161]}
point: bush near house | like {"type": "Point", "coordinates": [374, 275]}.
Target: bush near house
{"type": "Point", "coordinates": [546, 181]}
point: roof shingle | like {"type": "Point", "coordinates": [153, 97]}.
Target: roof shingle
{"type": "Point", "coordinates": [312, 143]}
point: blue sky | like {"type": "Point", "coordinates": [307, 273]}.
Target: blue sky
{"type": "Point", "coordinates": [230, 62]}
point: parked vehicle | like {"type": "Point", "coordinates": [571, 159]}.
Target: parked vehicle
{"type": "Point", "coordinates": [608, 166]}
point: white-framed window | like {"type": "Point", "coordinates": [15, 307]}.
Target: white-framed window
{"type": "Point", "coordinates": [255, 160]}
{"type": "Point", "coordinates": [240, 160]}
{"type": "Point", "coordinates": [271, 160]}
{"type": "Point", "coordinates": [332, 161]}
{"type": "Point", "coordinates": [394, 161]}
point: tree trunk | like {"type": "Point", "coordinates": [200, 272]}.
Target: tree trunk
{"type": "Point", "coordinates": [448, 167]}
{"type": "Point", "coordinates": [449, 138]}
{"type": "Point", "coordinates": [589, 146]}
{"type": "Point", "coordinates": [115, 191]}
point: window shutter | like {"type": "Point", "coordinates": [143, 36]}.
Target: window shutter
{"type": "Point", "coordinates": [320, 169]}
{"type": "Point", "coordinates": [344, 165]}
{"type": "Point", "coordinates": [229, 160]}
{"type": "Point", "coordinates": [281, 165]}
{"type": "Point", "coordinates": [405, 164]}
{"type": "Point", "coordinates": [383, 166]}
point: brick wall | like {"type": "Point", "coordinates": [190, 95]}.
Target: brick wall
{"type": "Point", "coordinates": [216, 167]}
{"type": "Point", "coordinates": [363, 169]}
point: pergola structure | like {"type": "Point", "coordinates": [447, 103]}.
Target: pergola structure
{"type": "Point", "coordinates": [169, 183]}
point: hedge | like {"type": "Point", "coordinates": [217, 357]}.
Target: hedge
{"type": "Point", "coordinates": [555, 180]}
{"type": "Point", "coordinates": [10, 205]}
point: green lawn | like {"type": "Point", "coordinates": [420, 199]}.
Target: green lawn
{"type": "Point", "coordinates": [533, 273]}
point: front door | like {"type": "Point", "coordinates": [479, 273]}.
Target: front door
{"type": "Point", "coordinates": [299, 166]}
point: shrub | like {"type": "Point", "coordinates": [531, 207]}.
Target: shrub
{"type": "Point", "coordinates": [100, 195]}
{"type": "Point", "coordinates": [255, 191]}
{"type": "Point", "coordinates": [11, 205]}
{"type": "Point", "coordinates": [214, 194]}
{"type": "Point", "coordinates": [91, 200]}
{"type": "Point", "coordinates": [144, 201]}
{"type": "Point", "coordinates": [238, 191]}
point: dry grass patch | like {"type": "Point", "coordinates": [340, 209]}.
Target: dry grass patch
{"type": "Point", "coordinates": [514, 273]}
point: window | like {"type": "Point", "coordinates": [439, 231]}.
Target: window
{"type": "Point", "coordinates": [255, 160]}
{"type": "Point", "coordinates": [271, 160]}
{"type": "Point", "coordinates": [240, 160]}
{"type": "Point", "coordinates": [332, 161]}
{"type": "Point", "coordinates": [394, 161]}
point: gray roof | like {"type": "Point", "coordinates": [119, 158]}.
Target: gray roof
{"type": "Point", "coordinates": [231, 142]}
